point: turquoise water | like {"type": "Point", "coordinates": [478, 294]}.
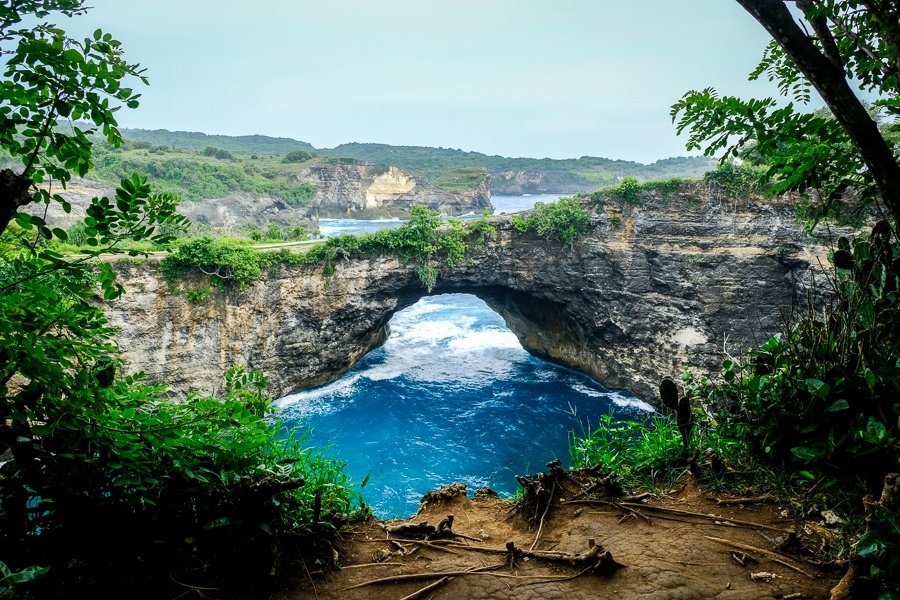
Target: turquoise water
{"type": "Point", "coordinates": [450, 397]}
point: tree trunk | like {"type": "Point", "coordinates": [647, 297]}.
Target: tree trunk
{"type": "Point", "coordinates": [831, 83]}
{"type": "Point", "coordinates": [15, 192]}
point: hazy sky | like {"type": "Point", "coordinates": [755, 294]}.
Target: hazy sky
{"type": "Point", "coordinates": [515, 77]}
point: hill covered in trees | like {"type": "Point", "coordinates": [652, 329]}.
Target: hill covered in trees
{"type": "Point", "coordinates": [509, 174]}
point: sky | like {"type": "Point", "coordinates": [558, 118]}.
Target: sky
{"type": "Point", "coordinates": [557, 79]}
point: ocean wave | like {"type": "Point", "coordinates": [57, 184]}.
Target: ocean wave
{"type": "Point", "coordinates": [484, 340]}
{"type": "Point", "coordinates": [310, 402]}
{"type": "Point", "coordinates": [629, 401]}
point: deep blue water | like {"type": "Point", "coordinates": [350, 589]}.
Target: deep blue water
{"type": "Point", "coordinates": [450, 397]}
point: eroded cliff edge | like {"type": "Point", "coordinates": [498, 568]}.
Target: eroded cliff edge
{"type": "Point", "coordinates": [644, 294]}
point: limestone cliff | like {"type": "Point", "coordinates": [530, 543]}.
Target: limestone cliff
{"type": "Point", "coordinates": [644, 294]}
{"type": "Point", "coordinates": [364, 190]}
{"type": "Point", "coordinates": [524, 181]}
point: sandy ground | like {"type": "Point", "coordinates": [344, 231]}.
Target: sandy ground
{"type": "Point", "coordinates": [665, 544]}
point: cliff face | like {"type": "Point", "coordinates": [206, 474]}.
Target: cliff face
{"type": "Point", "coordinates": [538, 182]}
{"type": "Point", "coordinates": [365, 190]}
{"type": "Point", "coordinates": [641, 296]}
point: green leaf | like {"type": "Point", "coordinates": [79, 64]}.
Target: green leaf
{"type": "Point", "coordinates": [806, 453]}
{"type": "Point", "coordinates": [872, 544]}
{"type": "Point", "coordinates": [818, 388]}
{"type": "Point", "coordinates": [838, 405]}
{"type": "Point", "coordinates": [876, 429]}
{"type": "Point", "coordinates": [216, 523]}
{"type": "Point", "coordinates": [26, 574]}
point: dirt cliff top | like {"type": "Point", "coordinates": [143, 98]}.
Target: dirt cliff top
{"type": "Point", "coordinates": [684, 545]}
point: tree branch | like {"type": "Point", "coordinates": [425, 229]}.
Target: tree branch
{"type": "Point", "coordinates": [832, 85]}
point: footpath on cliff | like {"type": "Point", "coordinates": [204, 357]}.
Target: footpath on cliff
{"type": "Point", "coordinates": [568, 537]}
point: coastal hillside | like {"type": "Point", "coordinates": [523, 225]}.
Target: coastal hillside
{"type": "Point", "coordinates": [508, 175]}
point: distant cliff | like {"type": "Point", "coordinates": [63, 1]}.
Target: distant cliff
{"type": "Point", "coordinates": [366, 190]}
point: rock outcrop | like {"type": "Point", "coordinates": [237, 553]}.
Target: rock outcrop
{"type": "Point", "coordinates": [368, 190]}
{"type": "Point", "coordinates": [644, 294]}
{"type": "Point", "coordinates": [518, 182]}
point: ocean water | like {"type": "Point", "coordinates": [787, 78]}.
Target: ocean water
{"type": "Point", "coordinates": [502, 204]}
{"type": "Point", "coordinates": [451, 397]}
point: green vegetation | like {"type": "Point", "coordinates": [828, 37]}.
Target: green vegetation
{"type": "Point", "coordinates": [423, 241]}
{"type": "Point", "coordinates": [460, 179]}
{"type": "Point", "coordinates": [214, 152]}
{"type": "Point", "coordinates": [739, 179]}
{"type": "Point", "coordinates": [190, 140]}
{"type": "Point", "coordinates": [630, 192]}
{"type": "Point", "coordinates": [448, 169]}
{"type": "Point", "coordinates": [227, 262]}
{"type": "Point", "coordinates": [297, 156]}
{"type": "Point", "coordinates": [814, 411]}
{"type": "Point", "coordinates": [639, 452]}
{"type": "Point", "coordinates": [106, 483]}
{"type": "Point", "coordinates": [563, 220]}
{"type": "Point", "coordinates": [585, 171]}
{"type": "Point", "coordinates": [201, 175]}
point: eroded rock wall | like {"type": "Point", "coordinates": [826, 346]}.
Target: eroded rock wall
{"type": "Point", "coordinates": [644, 294]}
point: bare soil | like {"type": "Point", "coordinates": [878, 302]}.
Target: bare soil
{"type": "Point", "coordinates": [684, 545]}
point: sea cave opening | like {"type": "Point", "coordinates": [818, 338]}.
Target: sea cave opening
{"type": "Point", "coordinates": [450, 397]}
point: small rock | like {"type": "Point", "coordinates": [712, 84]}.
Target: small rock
{"type": "Point", "coordinates": [763, 576]}
{"type": "Point", "coordinates": [831, 518]}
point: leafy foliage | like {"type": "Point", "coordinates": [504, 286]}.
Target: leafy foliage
{"type": "Point", "coordinates": [637, 451]}
{"type": "Point", "coordinates": [105, 482]}
{"type": "Point", "coordinates": [48, 76]}
{"type": "Point", "coordinates": [218, 153]}
{"type": "Point", "coordinates": [226, 261]}
{"type": "Point", "coordinates": [195, 177]}
{"type": "Point", "coordinates": [563, 220]}
{"type": "Point", "coordinates": [738, 179]}
{"type": "Point", "coordinates": [423, 240]}
{"type": "Point", "coordinates": [296, 156]}
{"type": "Point", "coordinates": [825, 394]}
{"type": "Point", "coordinates": [847, 41]}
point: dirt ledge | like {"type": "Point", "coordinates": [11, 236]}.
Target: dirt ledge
{"type": "Point", "coordinates": [669, 557]}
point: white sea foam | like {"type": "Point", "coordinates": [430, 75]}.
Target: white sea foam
{"type": "Point", "coordinates": [620, 399]}
{"type": "Point", "coordinates": [310, 402]}
{"type": "Point", "coordinates": [485, 339]}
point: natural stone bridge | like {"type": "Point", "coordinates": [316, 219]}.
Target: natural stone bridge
{"type": "Point", "coordinates": [642, 295]}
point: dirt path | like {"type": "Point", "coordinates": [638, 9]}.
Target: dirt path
{"type": "Point", "coordinates": [673, 556]}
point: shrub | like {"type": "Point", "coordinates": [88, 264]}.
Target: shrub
{"type": "Point", "coordinates": [737, 179]}
{"type": "Point", "coordinates": [296, 156]}
{"type": "Point", "coordinates": [217, 153]}
{"type": "Point", "coordinates": [226, 261]}
{"type": "Point", "coordinates": [563, 220]}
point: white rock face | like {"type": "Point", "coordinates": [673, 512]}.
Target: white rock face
{"type": "Point", "coordinates": [364, 190]}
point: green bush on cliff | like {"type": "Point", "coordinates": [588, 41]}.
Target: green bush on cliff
{"type": "Point", "coordinates": [228, 262]}
{"type": "Point", "coordinates": [423, 240]}
{"type": "Point", "coordinates": [563, 220]}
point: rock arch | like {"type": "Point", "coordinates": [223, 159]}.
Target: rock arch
{"type": "Point", "coordinates": [635, 300]}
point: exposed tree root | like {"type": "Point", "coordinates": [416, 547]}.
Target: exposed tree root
{"type": "Point", "coordinates": [442, 531]}
{"type": "Point", "coordinates": [781, 560]}
{"type": "Point", "coordinates": [428, 588]}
